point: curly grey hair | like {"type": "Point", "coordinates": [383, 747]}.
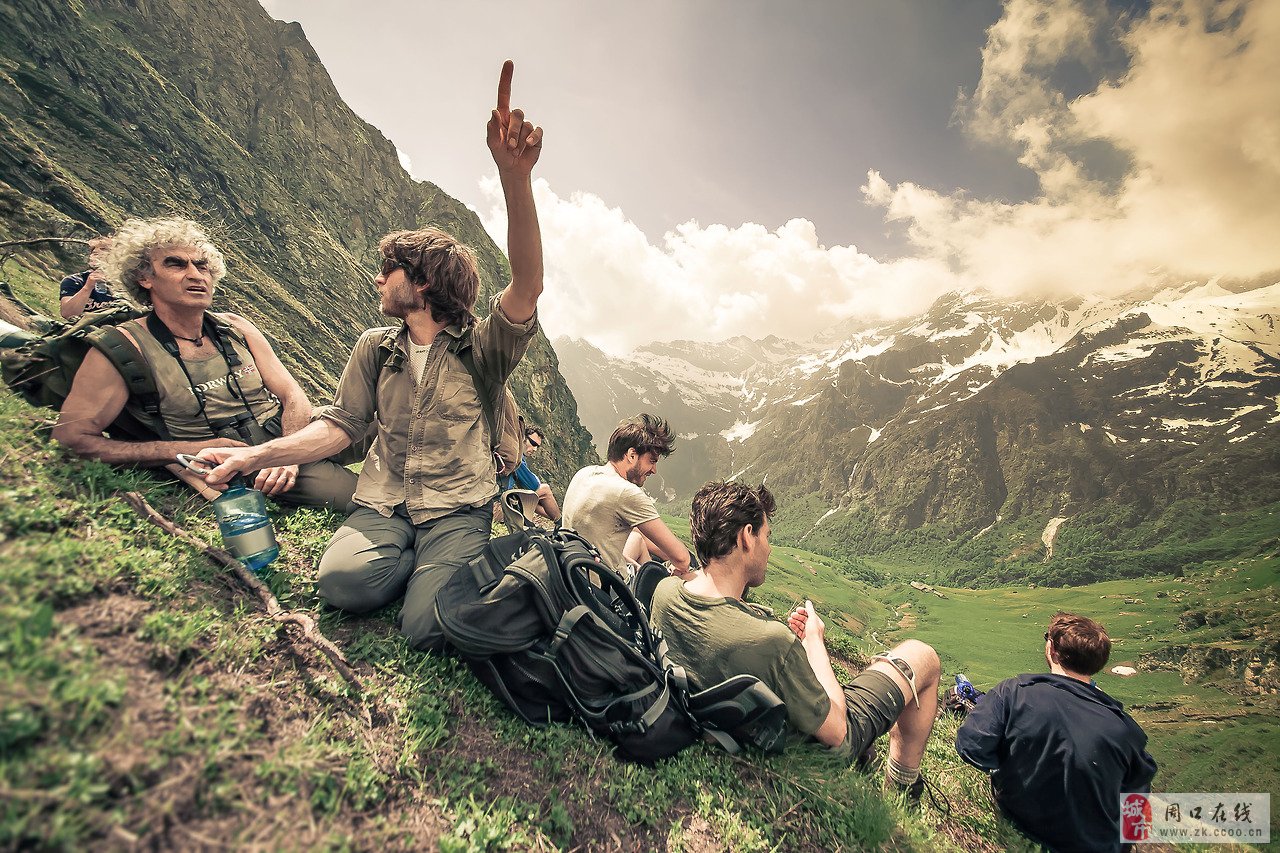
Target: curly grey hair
{"type": "Point", "coordinates": [129, 258]}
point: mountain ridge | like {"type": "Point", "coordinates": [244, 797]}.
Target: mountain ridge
{"type": "Point", "coordinates": [979, 408]}
{"type": "Point", "coordinates": [113, 108]}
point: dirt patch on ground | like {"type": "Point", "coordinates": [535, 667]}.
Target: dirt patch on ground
{"type": "Point", "coordinates": [509, 771]}
{"type": "Point", "coordinates": [185, 760]}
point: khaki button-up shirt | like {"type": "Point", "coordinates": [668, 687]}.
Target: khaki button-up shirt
{"type": "Point", "coordinates": [432, 451]}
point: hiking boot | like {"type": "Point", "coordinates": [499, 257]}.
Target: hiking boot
{"type": "Point", "coordinates": [916, 791]}
{"type": "Point", "coordinates": [869, 760]}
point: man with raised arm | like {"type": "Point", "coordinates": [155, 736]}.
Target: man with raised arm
{"type": "Point", "coordinates": [608, 505]}
{"type": "Point", "coordinates": [715, 635]}
{"type": "Point", "coordinates": [429, 478]}
{"type": "Point", "coordinates": [218, 380]}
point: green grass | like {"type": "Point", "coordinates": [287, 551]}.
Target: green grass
{"type": "Point", "coordinates": [1203, 738]}
{"type": "Point", "coordinates": [144, 696]}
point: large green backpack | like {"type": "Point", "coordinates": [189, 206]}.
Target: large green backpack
{"type": "Point", "coordinates": [41, 368]}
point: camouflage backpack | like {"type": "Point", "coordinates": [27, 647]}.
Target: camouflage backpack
{"type": "Point", "coordinates": [41, 368]}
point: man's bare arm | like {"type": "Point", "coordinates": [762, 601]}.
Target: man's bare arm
{"type": "Point", "coordinates": [661, 538]}
{"type": "Point", "coordinates": [317, 440]}
{"type": "Point", "coordinates": [811, 630]}
{"type": "Point", "coordinates": [515, 145]}
{"type": "Point", "coordinates": [98, 395]}
{"type": "Point", "coordinates": [296, 406]}
{"type": "Point", "coordinates": [74, 305]}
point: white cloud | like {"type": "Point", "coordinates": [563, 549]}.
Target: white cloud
{"type": "Point", "coordinates": [1190, 129]}
{"type": "Point", "coordinates": [1196, 114]}
{"type": "Point", "coordinates": [608, 284]}
{"type": "Point", "coordinates": [405, 162]}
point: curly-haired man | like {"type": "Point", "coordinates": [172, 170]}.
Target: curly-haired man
{"type": "Point", "coordinates": [218, 379]}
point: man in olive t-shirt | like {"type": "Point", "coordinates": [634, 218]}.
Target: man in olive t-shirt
{"type": "Point", "coordinates": [715, 635]}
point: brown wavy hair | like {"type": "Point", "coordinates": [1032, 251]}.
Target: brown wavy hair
{"type": "Point", "coordinates": [646, 433]}
{"type": "Point", "coordinates": [447, 269]}
{"type": "Point", "coordinates": [1082, 644]}
{"type": "Point", "coordinates": [722, 509]}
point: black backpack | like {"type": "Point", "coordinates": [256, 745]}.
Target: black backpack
{"type": "Point", "coordinates": [558, 636]}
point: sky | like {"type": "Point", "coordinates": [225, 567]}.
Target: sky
{"type": "Point", "coordinates": [722, 167]}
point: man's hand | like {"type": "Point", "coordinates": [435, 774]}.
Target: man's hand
{"type": "Point", "coordinates": [276, 481]}
{"type": "Point", "coordinates": [230, 461]}
{"type": "Point", "coordinates": [514, 143]}
{"type": "Point", "coordinates": [806, 624]}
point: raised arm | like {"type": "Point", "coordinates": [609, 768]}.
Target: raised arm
{"type": "Point", "coordinates": [73, 306]}
{"type": "Point", "coordinates": [515, 145]}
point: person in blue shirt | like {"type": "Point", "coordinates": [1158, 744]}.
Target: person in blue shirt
{"type": "Point", "coordinates": [524, 478]}
{"type": "Point", "coordinates": [1059, 751]}
{"type": "Point", "coordinates": [86, 291]}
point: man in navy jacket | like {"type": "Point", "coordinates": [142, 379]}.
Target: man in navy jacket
{"type": "Point", "coordinates": [1059, 750]}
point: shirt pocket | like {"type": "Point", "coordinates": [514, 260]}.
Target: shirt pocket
{"type": "Point", "coordinates": [457, 400]}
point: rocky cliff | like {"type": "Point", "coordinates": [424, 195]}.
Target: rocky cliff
{"type": "Point", "coordinates": [979, 411]}
{"type": "Point", "coordinates": [213, 110]}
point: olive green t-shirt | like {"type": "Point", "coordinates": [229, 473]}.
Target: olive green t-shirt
{"type": "Point", "coordinates": [718, 638]}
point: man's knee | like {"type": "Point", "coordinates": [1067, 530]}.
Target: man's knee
{"type": "Point", "coordinates": [418, 620]}
{"type": "Point", "coordinates": [923, 659]}
{"type": "Point", "coordinates": [324, 484]}
{"type": "Point", "coordinates": [359, 582]}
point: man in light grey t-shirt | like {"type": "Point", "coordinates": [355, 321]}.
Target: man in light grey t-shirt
{"type": "Point", "coordinates": [606, 504]}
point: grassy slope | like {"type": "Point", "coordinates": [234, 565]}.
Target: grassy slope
{"type": "Point", "coordinates": [1203, 738]}
{"type": "Point", "coordinates": [145, 699]}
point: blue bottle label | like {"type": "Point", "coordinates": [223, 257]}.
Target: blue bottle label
{"type": "Point", "coordinates": [247, 534]}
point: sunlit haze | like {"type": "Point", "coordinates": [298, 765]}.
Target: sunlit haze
{"type": "Point", "coordinates": [750, 168]}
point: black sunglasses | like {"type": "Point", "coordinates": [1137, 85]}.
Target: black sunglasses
{"type": "Point", "coordinates": [390, 265]}
{"type": "Point", "coordinates": [534, 444]}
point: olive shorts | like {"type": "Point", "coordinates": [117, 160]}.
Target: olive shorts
{"type": "Point", "coordinates": [873, 703]}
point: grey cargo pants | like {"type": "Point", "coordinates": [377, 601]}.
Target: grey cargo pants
{"type": "Point", "coordinates": [371, 561]}
{"type": "Point", "coordinates": [324, 483]}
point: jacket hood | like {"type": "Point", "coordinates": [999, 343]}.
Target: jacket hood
{"type": "Point", "coordinates": [1087, 692]}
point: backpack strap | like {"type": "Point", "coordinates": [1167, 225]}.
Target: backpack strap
{"type": "Point", "coordinates": [133, 368]}
{"type": "Point", "coordinates": [386, 356]}
{"type": "Point", "coordinates": [461, 347]}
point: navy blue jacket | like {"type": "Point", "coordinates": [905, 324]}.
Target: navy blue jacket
{"type": "Point", "coordinates": [1060, 752]}
{"type": "Point", "coordinates": [98, 297]}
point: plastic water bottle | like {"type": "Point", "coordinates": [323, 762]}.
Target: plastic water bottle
{"type": "Point", "coordinates": [246, 529]}
{"type": "Point", "coordinates": [964, 687]}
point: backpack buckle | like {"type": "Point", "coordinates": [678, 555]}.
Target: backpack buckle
{"type": "Point", "coordinates": [626, 727]}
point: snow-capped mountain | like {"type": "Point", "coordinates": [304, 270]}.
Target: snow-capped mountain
{"type": "Point", "coordinates": [977, 408]}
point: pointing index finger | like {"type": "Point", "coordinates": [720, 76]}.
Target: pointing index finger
{"type": "Point", "coordinates": [504, 87]}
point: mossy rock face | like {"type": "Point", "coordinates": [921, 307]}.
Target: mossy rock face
{"type": "Point", "coordinates": [115, 109]}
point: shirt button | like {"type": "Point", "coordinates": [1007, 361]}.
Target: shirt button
{"type": "Point", "coordinates": [412, 482]}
